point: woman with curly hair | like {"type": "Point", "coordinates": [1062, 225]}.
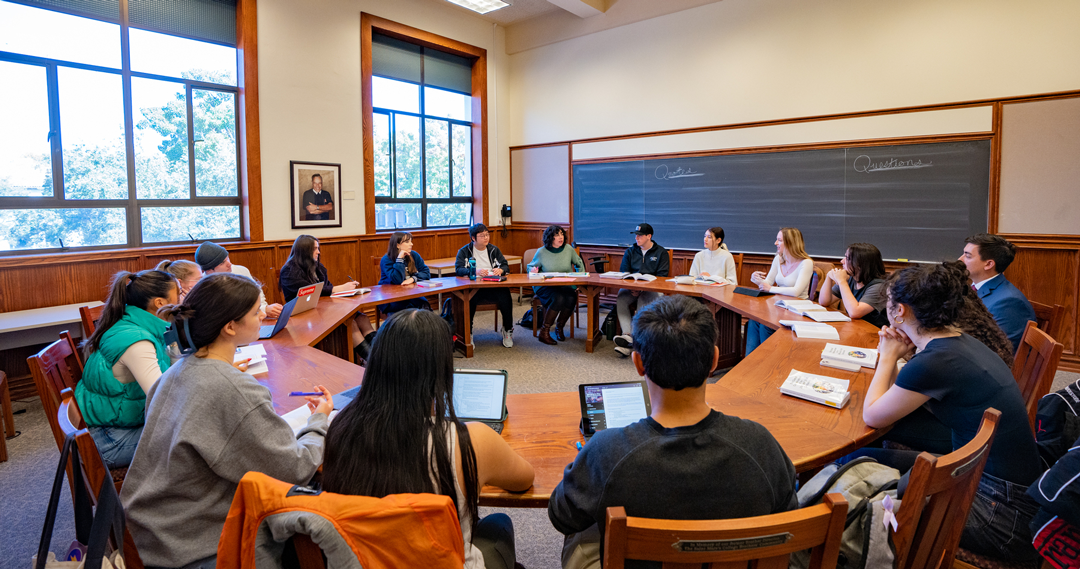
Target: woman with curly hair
{"type": "Point", "coordinates": [559, 301]}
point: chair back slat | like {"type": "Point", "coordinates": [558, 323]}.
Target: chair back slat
{"type": "Point", "coordinates": [763, 541]}
{"type": "Point", "coordinates": [938, 496]}
{"type": "Point", "coordinates": [56, 368]}
{"type": "Point", "coordinates": [1048, 317]}
{"type": "Point", "coordinates": [1035, 366]}
{"type": "Point", "coordinates": [738, 257]}
{"type": "Point", "coordinates": [90, 317]}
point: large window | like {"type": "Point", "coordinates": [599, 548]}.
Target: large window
{"type": "Point", "coordinates": [424, 160]}
{"type": "Point", "coordinates": [122, 130]}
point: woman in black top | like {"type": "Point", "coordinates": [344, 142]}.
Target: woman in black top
{"type": "Point", "coordinates": [403, 266]}
{"type": "Point", "coordinates": [304, 269]}
{"type": "Point", "coordinates": [859, 285]}
{"type": "Point", "coordinates": [955, 378]}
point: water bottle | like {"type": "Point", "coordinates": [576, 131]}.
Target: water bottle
{"type": "Point", "coordinates": [472, 269]}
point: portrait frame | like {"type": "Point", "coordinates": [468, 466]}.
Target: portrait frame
{"type": "Point", "coordinates": [302, 179]}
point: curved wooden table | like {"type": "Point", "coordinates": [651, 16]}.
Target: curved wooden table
{"type": "Point", "coordinates": [543, 428]}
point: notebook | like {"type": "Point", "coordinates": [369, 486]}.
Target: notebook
{"type": "Point", "coordinates": [269, 330]}
{"type": "Point", "coordinates": [605, 405]}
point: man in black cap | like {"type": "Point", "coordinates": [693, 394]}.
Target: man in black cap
{"type": "Point", "coordinates": [648, 258]}
{"type": "Point", "coordinates": [213, 258]}
{"type": "Point", "coordinates": [489, 261]}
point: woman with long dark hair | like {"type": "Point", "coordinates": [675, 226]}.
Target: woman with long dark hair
{"type": "Point", "coordinates": [559, 301]}
{"type": "Point", "coordinates": [403, 266]}
{"type": "Point", "coordinates": [125, 356]}
{"type": "Point", "coordinates": [859, 285]}
{"type": "Point", "coordinates": [715, 260]}
{"type": "Point", "coordinates": [400, 435]}
{"type": "Point", "coordinates": [304, 268]}
{"type": "Point", "coordinates": [949, 381]}
{"type": "Point", "coordinates": [207, 425]}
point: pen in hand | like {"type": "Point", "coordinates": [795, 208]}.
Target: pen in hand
{"type": "Point", "coordinates": [305, 393]}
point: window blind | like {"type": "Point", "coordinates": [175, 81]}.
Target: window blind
{"type": "Point", "coordinates": [397, 59]}
{"type": "Point", "coordinates": [205, 20]}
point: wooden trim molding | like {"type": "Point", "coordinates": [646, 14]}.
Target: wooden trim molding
{"type": "Point", "coordinates": [247, 55]}
{"type": "Point", "coordinates": [369, 24]}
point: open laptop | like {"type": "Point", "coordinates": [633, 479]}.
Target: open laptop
{"type": "Point", "coordinates": [307, 298]}
{"type": "Point", "coordinates": [605, 405]}
{"type": "Point", "coordinates": [268, 330]}
{"type": "Point", "coordinates": [480, 395]}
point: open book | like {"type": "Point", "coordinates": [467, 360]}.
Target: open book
{"type": "Point", "coordinates": [689, 280]}
{"type": "Point", "coordinates": [635, 276]}
{"type": "Point", "coordinates": [827, 316]}
{"type": "Point", "coordinates": [817, 388]}
{"type": "Point", "coordinates": [550, 275]}
{"type": "Point", "coordinates": [847, 357]}
{"type": "Point", "coordinates": [803, 307]}
{"type": "Point", "coordinates": [348, 293]}
{"type": "Point", "coordinates": [812, 330]}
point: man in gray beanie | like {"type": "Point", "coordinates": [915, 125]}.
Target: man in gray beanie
{"type": "Point", "coordinates": [213, 258]}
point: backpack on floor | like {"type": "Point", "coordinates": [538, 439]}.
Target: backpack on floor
{"type": "Point", "coordinates": [1057, 422]}
{"type": "Point", "coordinates": [526, 320]}
{"type": "Point", "coordinates": [608, 327]}
{"type": "Point", "coordinates": [865, 483]}
{"type": "Point", "coordinates": [447, 314]}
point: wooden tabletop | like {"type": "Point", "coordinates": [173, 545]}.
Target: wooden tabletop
{"type": "Point", "coordinates": [543, 428]}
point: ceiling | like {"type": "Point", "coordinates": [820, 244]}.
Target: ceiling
{"type": "Point", "coordinates": [518, 10]}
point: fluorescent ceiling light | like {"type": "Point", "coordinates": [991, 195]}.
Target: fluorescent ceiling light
{"type": "Point", "coordinates": [481, 6]}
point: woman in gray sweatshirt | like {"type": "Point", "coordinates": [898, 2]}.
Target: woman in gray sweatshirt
{"type": "Point", "coordinates": [208, 424]}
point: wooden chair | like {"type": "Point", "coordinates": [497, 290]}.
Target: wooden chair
{"type": "Point", "coordinates": [69, 418]}
{"type": "Point", "coordinates": [1048, 317]}
{"type": "Point", "coordinates": [747, 542]}
{"type": "Point", "coordinates": [526, 258]}
{"type": "Point", "coordinates": [1035, 365]}
{"type": "Point", "coordinates": [7, 425]}
{"type": "Point", "coordinates": [738, 257]}
{"type": "Point", "coordinates": [56, 368]}
{"type": "Point", "coordinates": [815, 283]}
{"type": "Point", "coordinates": [90, 317]}
{"type": "Point", "coordinates": [936, 503]}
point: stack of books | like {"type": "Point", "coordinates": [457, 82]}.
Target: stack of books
{"type": "Point", "coordinates": [817, 388]}
{"type": "Point", "coordinates": [621, 275]}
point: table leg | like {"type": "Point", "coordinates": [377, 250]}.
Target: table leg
{"type": "Point", "coordinates": [336, 343]}
{"type": "Point", "coordinates": [464, 322]}
{"type": "Point", "coordinates": [729, 340]}
{"type": "Point", "coordinates": [592, 302]}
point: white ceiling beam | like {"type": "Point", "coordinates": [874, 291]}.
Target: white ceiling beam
{"type": "Point", "coordinates": [582, 8]}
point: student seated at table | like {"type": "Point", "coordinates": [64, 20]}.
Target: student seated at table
{"type": "Point", "coordinates": [124, 357]}
{"type": "Point", "coordinates": [489, 261]}
{"type": "Point", "coordinates": [559, 302]}
{"type": "Point", "coordinates": [715, 260]}
{"type": "Point", "coordinates": [304, 268]}
{"type": "Point", "coordinates": [400, 435]}
{"type": "Point", "coordinates": [859, 285]}
{"type": "Point", "coordinates": [986, 257]}
{"type": "Point", "coordinates": [208, 424]}
{"type": "Point", "coordinates": [213, 258]}
{"type": "Point", "coordinates": [686, 461]}
{"type": "Point", "coordinates": [976, 321]}
{"type": "Point", "coordinates": [647, 257]}
{"type": "Point", "coordinates": [187, 273]}
{"type": "Point", "coordinates": [403, 266]}
{"type": "Point", "coordinates": [789, 275]}
{"type": "Point", "coordinates": [953, 378]}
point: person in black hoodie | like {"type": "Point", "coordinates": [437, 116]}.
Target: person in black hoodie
{"type": "Point", "coordinates": [648, 258]}
{"type": "Point", "coordinates": [489, 261]}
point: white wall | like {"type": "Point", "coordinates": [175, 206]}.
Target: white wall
{"type": "Point", "coordinates": [309, 96]}
{"type": "Point", "coordinates": [749, 60]}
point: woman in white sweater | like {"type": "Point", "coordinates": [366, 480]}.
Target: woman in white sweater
{"type": "Point", "coordinates": [789, 275]}
{"type": "Point", "coordinates": [715, 260]}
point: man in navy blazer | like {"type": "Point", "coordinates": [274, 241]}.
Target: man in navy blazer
{"type": "Point", "coordinates": [986, 257]}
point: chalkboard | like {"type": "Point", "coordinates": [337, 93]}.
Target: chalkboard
{"type": "Point", "coordinates": [914, 201]}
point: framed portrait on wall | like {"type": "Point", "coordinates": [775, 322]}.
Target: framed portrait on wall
{"type": "Point", "coordinates": [316, 194]}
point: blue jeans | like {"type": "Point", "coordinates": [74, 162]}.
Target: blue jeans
{"type": "Point", "coordinates": [998, 523]}
{"type": "Point", "coordinates": [756, 333]}
{"type": "Point", "coordinates": [116, 444]}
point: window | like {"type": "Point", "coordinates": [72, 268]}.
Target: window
{"type": "Point", "coordinates": [123, 131]}
{"type": "Point", "coordinates": [425, 162]}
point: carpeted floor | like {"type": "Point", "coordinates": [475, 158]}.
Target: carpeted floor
{"type": "Point", "coordinates": [26, 478]}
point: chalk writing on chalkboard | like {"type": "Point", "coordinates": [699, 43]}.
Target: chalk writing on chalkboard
{"type": "Point", "coordinates": [865, 165]}
{"type": "Point", "coordinates": [662, 173]}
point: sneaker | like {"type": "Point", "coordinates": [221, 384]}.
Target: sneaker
{"type": "Point", "coordinates": [624, 341]}
{"type": "Point", "coordinates": [508, 338]}
{"type": "Point", "coordinates": [624, 352]}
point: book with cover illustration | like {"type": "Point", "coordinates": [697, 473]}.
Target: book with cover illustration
{"type": "Point", "coordinates": [864, 357]}
{"type": "Point", "coordinates": [812, 330]}
{"type": "Point", "coordinates": [621, 275]}
{"type": "Point", "coordinates": [817, 388]}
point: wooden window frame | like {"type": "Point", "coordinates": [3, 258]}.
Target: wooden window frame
{"type": "Point", "coordinates": [370, 24]}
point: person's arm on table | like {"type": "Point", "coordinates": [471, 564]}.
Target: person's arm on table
{"type": "Point", "coordinates": [499, 266]}
{"type": "Point", "coordinates": [423, 273]}
{"type": "Point", "coordinates": [499, 465]}
{"type": "Point", "coordinates": [663, 267]}
{"type": "Point", "coordinates": [695, 266]}
{"type": "Point", "coordinates": [885, 403]}
{"type": "Point", "coordinates": [765, 280]}
{"type": "Point", "coordinates": [461, 266]}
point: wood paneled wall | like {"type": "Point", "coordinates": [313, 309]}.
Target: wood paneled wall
{"type": "Point", "coordinates": [1047, 269]}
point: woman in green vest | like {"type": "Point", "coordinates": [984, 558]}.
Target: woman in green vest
{"type": "Point", "coordinates": [125, 356]}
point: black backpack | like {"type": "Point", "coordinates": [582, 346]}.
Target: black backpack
{"type": "Point", "coordinates": [526, 320]}
{"type": "Point", "coordinates": [1057, 422]}
{"type": "Point", "coordinates": [447, 314]}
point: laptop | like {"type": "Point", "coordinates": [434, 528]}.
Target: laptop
{"type": "Point", "coordinates": [605, 405]}
{"type": "Point", "coordinates": [480, 395]}
{"type": "Point", "coordinates": [307, 298]}
{"type": "Point", "coordinates": [268, 330]}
